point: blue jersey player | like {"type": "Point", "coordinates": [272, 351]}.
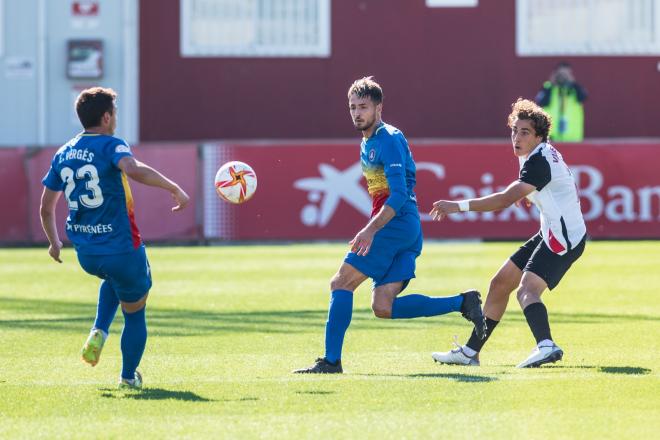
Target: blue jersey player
{"type": "Point", "coordinates": [91, 171]}
{"type": "Point", "coordinates": [385, 250]}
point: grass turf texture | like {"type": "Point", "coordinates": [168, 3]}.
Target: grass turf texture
{"type": "Point", "coordinates": [227, 324]}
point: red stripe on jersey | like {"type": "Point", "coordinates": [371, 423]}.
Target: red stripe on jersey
{"type": "Point", "coordinates": [555, 245]}
{"type": "Point", "coordinates": [130, 209]}
{"type": "Point", "coordinates": [378, 202]}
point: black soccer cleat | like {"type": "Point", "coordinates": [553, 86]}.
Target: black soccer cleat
{"type": "Point", "coordinates": [321, 366]}
{"type": "Point", "coordinates": [471, 310]}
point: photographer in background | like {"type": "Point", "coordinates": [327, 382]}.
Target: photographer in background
{"type": "Point", "coordinates": [562, 97]}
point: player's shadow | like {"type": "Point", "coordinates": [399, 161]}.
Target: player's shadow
{"type": "Point", "coordinates": [625, 370]}
{"type": "Point", "coordinates": [71, 316]}
{"type": "Point", "coordinates": [315, 392]}
{"type": "Point", "coordinates": [154, 394]}
{"type": "Point", "coordinates": [457, 377]}
{"type": "Point", "coordinates": [628, 370]}
{"type": "Point", "coordinates": [241, 399]}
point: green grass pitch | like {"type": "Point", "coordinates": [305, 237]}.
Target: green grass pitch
{"type": "Point", "coordinates": [228, 324]}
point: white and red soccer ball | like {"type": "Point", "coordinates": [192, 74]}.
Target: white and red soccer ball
{"type": "Point", "coordinates": [235, 182]}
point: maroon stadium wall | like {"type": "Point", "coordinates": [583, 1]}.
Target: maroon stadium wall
{"type": "Point", "coordinates": [315, 191]}
{"type": "Point", "coordinates": [446, 72]}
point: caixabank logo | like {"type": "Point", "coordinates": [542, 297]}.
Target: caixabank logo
{"type": "Point", "coordinates": [332, 186]}
{"type": "Point", "coordinates": [317, 191]}
{"type": "Point", "coordinates": [609, 207]}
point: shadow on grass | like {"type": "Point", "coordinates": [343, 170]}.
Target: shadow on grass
{"type": "Point", "coordinates": [457, 377]}
{"type": "Point", "coordinates": [601, 369]}
{"type": "Point", "coordinates": [154, 394]}
{"type": "Point", "coordinates": [625, 370]}
{"type": "Point", "coordinates": [317, 392]}
{"type": "Point", "coordinates": [71, 316]}
{"type": "Point", "coordinates": [242, 399]}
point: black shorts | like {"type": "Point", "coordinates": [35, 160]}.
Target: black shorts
{"type": "Point", "coordinates": [535, 256]}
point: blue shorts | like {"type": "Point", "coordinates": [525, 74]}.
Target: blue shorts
{"type": "Point", "coordinates": [128, 274]}
{"type": "Point", "coordinates": [393, 252]}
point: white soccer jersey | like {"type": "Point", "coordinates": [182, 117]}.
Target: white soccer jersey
{"type": "Point", "coordinates": [562, 225]}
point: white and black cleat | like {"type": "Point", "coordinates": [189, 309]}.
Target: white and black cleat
{"type": "Point", "coordinates": [456, 357]}
{"type": "Point", "coordinates": [544, 354]}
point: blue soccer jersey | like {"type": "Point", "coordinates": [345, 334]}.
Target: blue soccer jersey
{"type": "Point", "coordinates": [388, 166]}
{"type": "Point", "coordinates": [101, 217]}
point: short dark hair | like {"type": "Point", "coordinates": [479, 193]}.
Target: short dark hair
{"type": "Point", "coordinates": [93, 103]}
{"type": "Point", "coordinates": [526, 109]}
{"type": "Point", "coordinates": [367, 87]}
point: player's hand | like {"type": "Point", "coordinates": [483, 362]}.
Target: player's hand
{"type": "Point", "coordinates": [54, 251]}
{"type": "Point", "coordinates": [523, 202]}
{"type": "Point", "coordinates": [361, 243]}
{"type": "Point", "coordinates": [180, 198]}
{"type": "Point", "coordinates": [442, 208]}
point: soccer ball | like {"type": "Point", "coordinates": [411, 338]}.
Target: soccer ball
{"type": "Point", "coordinates": [235, 182]}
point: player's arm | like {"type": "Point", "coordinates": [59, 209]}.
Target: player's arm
{"type": "Point", "coordinates": [47, 208]}
{"type": "Point", "coordinates": [493, 202]}
{"type": "Point", "coordinates": [393, 165]}
{"type": "Point", "coordinates": [361, 243]}
{"type": "Point", "coordinates": [146, 175]}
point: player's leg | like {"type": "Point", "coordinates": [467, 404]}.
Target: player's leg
{"type": "Point", "coordinates": [386, 245]}
{"type": "Point", "coordinates": [131, 277]}
{"type": "Point", "coordinates": [416, 305]}
{"type": "Point", "coordinates": [505, 281]}
{"type": "Point", "coordinates": [133, 341]}
{"type": "Point", "coordinates": [501, 286]}
{"type": "Point", "coordinates": [544, 270]}
{"type": "Point", "coordinates": [340, 312]}
{"type": "Point", "coordinates": [386, 304]}
{"type": "Point", "coordinates": [529, 296]}
{"type": "Point", "coordinates": [383, 297]}
{"type": "Point", "coordinates": [105, 313]}
{"type": "Point", "coordinates": [105, 310]}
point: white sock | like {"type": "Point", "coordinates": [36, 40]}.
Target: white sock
{"type": "Point", "coordinates": [468, 351]}
{"type": "Point", "coordinates": [545, 343]}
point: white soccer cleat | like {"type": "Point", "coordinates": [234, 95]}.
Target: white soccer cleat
{"type": "Point", "coordinates": [134, 384]}
{"type": "Point", "coordinates": [544, 354]}
{"type": "Point", "coordinates": [456, 357]}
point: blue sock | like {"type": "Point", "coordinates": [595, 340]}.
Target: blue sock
{"type": "Point", "coordinates": [133, 341]}
{"type": "Point", "coordinates": [106, 308]}
{"type": "Point", "coordinates": [339, 318]}
{"type": "Point", "coordinates": [415, 305]}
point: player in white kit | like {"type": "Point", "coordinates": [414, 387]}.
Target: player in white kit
{"type": "Point", "coordinates": [546, 181]}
